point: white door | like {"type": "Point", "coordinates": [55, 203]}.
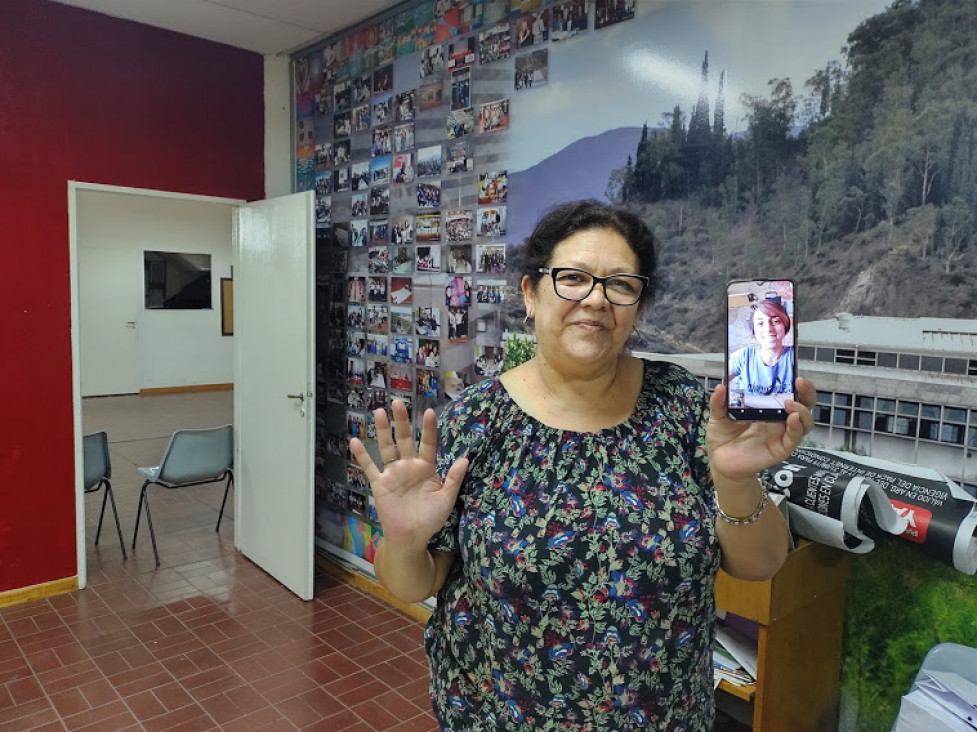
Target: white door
{"type": "Point", "coordinates": [110, 290]}
{"type": "Point", "coordinates": [274, 289]}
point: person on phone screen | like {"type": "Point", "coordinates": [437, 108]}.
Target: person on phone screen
{"type": "Point", "coordinates": [766, 369]}
{"type": "Point", "coordinates": [571, 513]}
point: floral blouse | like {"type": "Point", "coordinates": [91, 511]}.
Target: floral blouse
{"type": "Point", "coordinates": [582, 594]}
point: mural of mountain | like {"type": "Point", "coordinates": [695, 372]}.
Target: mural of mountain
{"type": "Point", "coordinates": [580, 170]}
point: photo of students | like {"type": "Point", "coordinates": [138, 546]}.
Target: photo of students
{"type": "Point", "coordinates": [532, 69]}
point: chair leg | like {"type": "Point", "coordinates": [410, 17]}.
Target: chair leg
{"type": "Point", "coordinates": [227, 489]}
{"type": "Point", "coordinates": [115, 512]}
{"type": "Point", "coordinates": [144, 498]}
{"type": "Point", "coordinates": [101, 514]}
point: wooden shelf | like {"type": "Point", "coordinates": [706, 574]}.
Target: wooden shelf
{"type": "Point", "coordinates": [800, 614]}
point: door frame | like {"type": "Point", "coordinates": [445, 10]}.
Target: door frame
{"type": "Point", "coordinates": [73, 189]}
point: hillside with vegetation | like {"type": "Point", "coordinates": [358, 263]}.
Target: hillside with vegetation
{"type": "Point", "coordinates": [862, 186]}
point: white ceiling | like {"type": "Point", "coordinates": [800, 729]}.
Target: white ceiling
{"type": "Point", "coordinates": [264, 26]}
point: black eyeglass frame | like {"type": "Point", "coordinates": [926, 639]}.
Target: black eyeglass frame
{"type": "Point", "coordinates": [554, 272]}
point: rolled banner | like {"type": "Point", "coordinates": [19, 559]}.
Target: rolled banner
{"type": "Point", "coordinates": [835, 497]}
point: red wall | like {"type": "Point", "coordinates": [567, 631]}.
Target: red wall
{"type": "Point", "coordinates": [89, 98]}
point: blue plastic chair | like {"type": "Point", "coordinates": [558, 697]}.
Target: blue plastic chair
{"type": "Point", "coordinates": [97, 475]}
{"type": "Point", "coordinates": [193, 457]}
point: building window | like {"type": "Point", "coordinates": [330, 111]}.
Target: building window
{"type": "Point", "coordinates": [908, 362]}
{"type": "Point", "coordinates": [905, 427]}
{"type": "Point", "coordinates": [929, 429]}
{"type": "Point", "coordinates": [952, 433]}
{"type": "Point", "coordinates": [821, 414]}
{"type": "Point", "coordinates": [933, 363]}
{"type": "Point", "coordinates": [865, 402]}
{"type": "Point", "coordinates": [886, 405]}
{"type": "Point", "coordinates": [865, 358]}
{"type": "Point", "coordinates": [954, 366]}
{"type": "Point", "coordinates": [884, 423]}
{"type": "Point", "coordinates": [886, 360]}
{"type": "Point", "coordinates": [972, 367]}
{"type": "Point", "coordinates": [863, 420]}
{"type": "Point", "coordinates": [841, 417]}
{"type": "Point", "coordinates": [930, 410]}
{"type": "Point", "coordinates": [845, 355]}
{"type": "Point", "coordinates": [843, 400]}
{"type": "Point", "coordinates": [827, 355]}
{"type": "Point", "coordinates": [805, 352]}
{"type": "Point", "coordinates": [955, 414]}
{"type": "Point", "coordinates": [909, 409]}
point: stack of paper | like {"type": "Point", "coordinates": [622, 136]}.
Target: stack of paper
{"type": "Point", "coordinates": [940, 702]}
{"type": "Point", "coordinates": [734, 657]}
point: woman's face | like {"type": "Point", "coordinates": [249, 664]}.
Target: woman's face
{"type": "Point", "coordinates": [769, 330]}
{"type": "Point", "coordinates": [591, 330]}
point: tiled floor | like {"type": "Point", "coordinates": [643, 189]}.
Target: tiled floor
{"type": "Point", "coordinates": [208, 641]}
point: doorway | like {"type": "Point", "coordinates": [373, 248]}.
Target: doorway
{"type": "Point", "coordinates": [119, 347]}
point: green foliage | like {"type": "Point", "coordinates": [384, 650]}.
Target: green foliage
{"type": "Point", "coordinates": [900, 603]}
{"type": "Point", "coordinates": [517, 348]}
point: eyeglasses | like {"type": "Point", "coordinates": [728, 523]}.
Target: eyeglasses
{"type": "Point", "coordinates": [575, 284]}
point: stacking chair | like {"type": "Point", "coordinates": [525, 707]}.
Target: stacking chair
{"type": "Point", "coordinates": [193, 457]}
{"type": "Point", "coordinates": [98, 474]}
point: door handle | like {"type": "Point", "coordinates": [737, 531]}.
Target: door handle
{"type": "Point", "coordinates": [300, 397]}
{"type": "Point", "coordinates": [131, 324]}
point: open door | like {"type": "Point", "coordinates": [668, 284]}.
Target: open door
{"type": "Point", "coordinates": [274, 403]}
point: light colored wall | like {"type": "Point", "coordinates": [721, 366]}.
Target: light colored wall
{"type": "Point", "coordinates": [278, 126]}
{"type": "Point", "coordinates": [178, 347]}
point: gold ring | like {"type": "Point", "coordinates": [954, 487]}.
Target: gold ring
{"type": "Point", "coordinates": [391, 460]}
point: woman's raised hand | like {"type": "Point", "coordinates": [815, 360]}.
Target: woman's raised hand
{"type": "Point", "coordinates": [739, 450]}
{"type": "Point", "coordinates": [412, 502]}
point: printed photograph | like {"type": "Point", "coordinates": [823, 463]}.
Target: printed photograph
{"type": "Point", "coordinates": [360, 173]}
{"type": "Point", "coordinates": [493, 116]}
{"type": "Point", "coordinates": [403, 138]}
{"type": "Point", "coordinates": [428, 353]}
{"type": "Point", "coordinates": [402, 229]}
{"type": "Point", "coordinates": [488, 361]}
{"type": "Point", "coordinates": [376, 287]}
{"type": "Point", "coordinates": [461, 52]}
{"type": "Point", "coordinates": [376, 378]}
{"type": "Point", "coordinates": [491, 221]}
{"type": "Point", "coordinates": [380, 201]}
{"type": "Point", "coordinates": [323, 182]}
{"type": "Point", "coordinates": [458, 259]}
{"type": "Point", "coordinates": [382, 110]}
{"type": "Point", "coordinates": [323, 211]}
{"type": "Point", "coordinates": [342, 179]}
{"type": "Point", "coordinates": [459, 225]}
{"type": "Point", "coordinates": [377, 318]}
{"type": "Point", "coordinates": [376, 345]}
{"type": "Point", "coordinates": [401, 259]}
{"type": "Point", "coordinates": [401, 378]}
{"type": "Point", "coordinates": [340, 152]}
{"type": "Point", "coordinates": [356, 371]}
{"type": "Point", "coordinates": [401, 320]}
{"type": "Point", "coordinates": [490, 292]}
{"type": "Point", "coordinates": [400, 291]}
{"type": "Point", "coordinates": [431, 96]}
{"type": "Point", "coordinates": [532, 28]}
{"type": "Point", "coordinates": [569, 19]}
{"type": "Point", "coordinates": [383, 79]}
{"type": "Point", "coordinates": [406, 103]}
{"type": "Point", "coordinates": [342, 98]}
{"type": "Point", "coordinates": [381, 143]}
{"type": "Point", "coordinates": [461, 88]}
{"type": "Point", "coordinates": [361, 118]}
{"type": "Point", "coordinates": [355, 314]}
{"type": "Point", "coordinates": [493, 187]}
{"type": "Point", "coordinates": [532, 69]}
{"type": "Point", "coordinates": [432, 60]}
{"type": "Point", "coordinates": [359, 233]}
{"type": "Point", "coordinates": [402, 348]}
{"type": "Point", "coordinates": [490, 258]}
{"type": "Point", "coordinates": [458, 324]}
{"type": "Point", "coordinates": [609, 12]}
{"type": "Point", "coordinates": [380, 170]}
{"type": "Point", "coordinates": [323, 155]}
{"type": "Point", "coordinates": [403, 170]}
{"type": "Point", "coordinates": [429, 161]}
{"type": "Point", "coordinates": [458, 157]}
{"type": "Point", "coordinates": [429, 194]}
{"type": "Point", "coordinates": [379, 232]}
{"type": "Point", "coordinates": [428, 258]}
{"type": "Point", "coordinates": [427, 322]}
{"type": "Point", "coordinates": [458, 292]}
{"type": "Point", "coordinates": [361, 89]}
{"type": "Point", "coordinates": [342, 125]}
{"type": "Point", "coordinates": [428, 227]}
{"type": "Point", "coordinates": [494, 44]}
{"type": "Point", "coordinates": [460, 122]}
{"type": "Point", "coordinates": [427, 383]}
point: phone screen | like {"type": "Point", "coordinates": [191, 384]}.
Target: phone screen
{"type": "Point", "coordinates": [761, 334]}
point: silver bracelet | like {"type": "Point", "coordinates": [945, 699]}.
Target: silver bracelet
{"type": "Point", "coordinates": [746, 520]}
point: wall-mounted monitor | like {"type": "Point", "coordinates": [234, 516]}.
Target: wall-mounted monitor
{"type": "Point", "coordinates": [177, 281]}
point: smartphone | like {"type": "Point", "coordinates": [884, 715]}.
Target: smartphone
{"type": "Point", "coordinates": [761, 338]}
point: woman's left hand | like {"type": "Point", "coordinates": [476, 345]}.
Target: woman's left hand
{"type": "Point", "coordinates": [739, 450]}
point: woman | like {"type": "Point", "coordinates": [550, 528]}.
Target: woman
{"type": "Point", "coordinates": [565, 512]}
{"type": "Point", "coordinates": [766, 369]}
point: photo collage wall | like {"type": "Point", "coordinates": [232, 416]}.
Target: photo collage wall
{"type": "Point", "coordinates": [401, 132]}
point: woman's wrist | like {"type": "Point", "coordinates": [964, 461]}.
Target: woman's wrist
{"type": "Point", "coordinates": [740, 502]}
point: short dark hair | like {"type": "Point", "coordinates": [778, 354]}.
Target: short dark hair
{"type": "Point", "coordinates": [565, 219]}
